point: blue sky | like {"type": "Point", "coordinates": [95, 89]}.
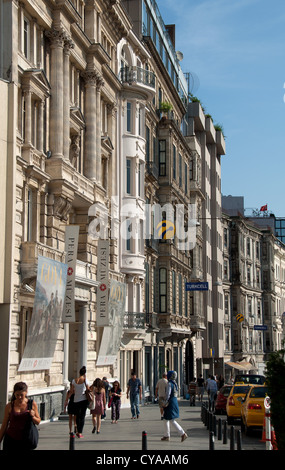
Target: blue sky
{"type": "Point", "coordinates": [235, 50]}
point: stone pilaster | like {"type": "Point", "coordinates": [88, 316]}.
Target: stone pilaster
{"type": "Point", "coordinates": [57, 39]}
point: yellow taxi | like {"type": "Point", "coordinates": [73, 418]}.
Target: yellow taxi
{"type": "Point", "coordinates": [252, 409]}
{"type": "Point", "coordinates": [234, 401]}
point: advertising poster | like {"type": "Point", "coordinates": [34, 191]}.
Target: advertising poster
{"type": "Point", "coordinates": [112, 334]}
{"type": "Point", "coordinates": [47, 315]}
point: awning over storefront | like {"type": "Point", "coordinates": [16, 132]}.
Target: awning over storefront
{"type": "Point", "coordinates": [242, 365]}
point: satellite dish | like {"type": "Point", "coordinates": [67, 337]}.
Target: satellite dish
{"type": "Point", "coordinates": [179, 55]}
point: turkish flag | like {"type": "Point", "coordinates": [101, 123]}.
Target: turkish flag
{"type": "Point", "coordinates": [263, 208]}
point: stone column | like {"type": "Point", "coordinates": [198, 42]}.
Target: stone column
{"type": "Point", "coordinates": [91, 128]}
{"type": "Point", "coordinates": [100, 83]}
{"type": "Point", "coordinates": [56, 104]}
{"type": "Point", "coordinates": [68, 45]}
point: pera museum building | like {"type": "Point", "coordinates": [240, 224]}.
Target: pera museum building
{"type": "Point", "coordinates": [108, 165]}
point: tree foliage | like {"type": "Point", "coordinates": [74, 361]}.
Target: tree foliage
{"type": "Point", "coordinates": [275, 379]}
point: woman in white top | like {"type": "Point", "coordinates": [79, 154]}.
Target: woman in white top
{"type": "Point", "coordinates": [78, 387]}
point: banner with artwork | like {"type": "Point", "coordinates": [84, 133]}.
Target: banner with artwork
{"type": "Point", "coordinates": [112, 334]}
{"type": "Point", "coordinates": [47, 315]}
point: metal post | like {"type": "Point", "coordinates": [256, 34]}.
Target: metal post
{"type": "Point", "coordinates": [219, 429]}
{"type": "Point", "coordinates": [232, 438]}
{"type": "Point", "coordinates": [239, 446]}
{"type": "Point", "coordinates": [225, 438]}
{"type": "Point", "coordinates": [144, 440]}
{"type": "Point", "coordinates": [212, 441]}
{"type": "Point", "coordinates": [71, 441]}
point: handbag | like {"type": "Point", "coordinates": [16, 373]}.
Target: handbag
{"type": "Point", "coordinates": [90, 398]}
{"type": "Point", "coordinates": [110, 402]}
{"type": "Point", "coordinates": [31, 433]}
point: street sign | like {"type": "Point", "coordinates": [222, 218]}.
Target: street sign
{"type": "Point", "coordinates": [190, 286]}
{"type": "Point", "coordinates": [260, 327]}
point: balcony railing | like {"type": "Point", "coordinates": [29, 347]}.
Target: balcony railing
{"type": "Point", "coordinates": [139, 320]}
{"type": "Point", "coordinates": [137, 75]}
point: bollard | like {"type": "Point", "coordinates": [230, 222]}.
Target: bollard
{"type": "Point", "coordinates": [219, 429]}
{"type": "Point", "coordinates": [207, 419]}
{"type": "Point", "coordinates": [211, 441]}
{"type": "Point", "coordinates": [232, 438]}
{"type": "Point", "coordinates": [225, 437]}
{"type": "Point", "coordinates": [71, 440]}
{"type": "Point", "coordinates": [239, 446]}
{"type": "Point", "coordinates": [214, 424]}
{"type": "Point", "coordinates": [144, 440]}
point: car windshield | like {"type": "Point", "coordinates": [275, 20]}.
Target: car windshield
{"type": "Point", "coordinates": [259, 392]}
{"type": "Point", "coordinates": [250, 379]}
{"type": "Point", "coordinates": [240, 389]}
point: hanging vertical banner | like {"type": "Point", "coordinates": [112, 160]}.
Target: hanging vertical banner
{"type": "Point", "coordinates": [71, 245]}
{"type": "Point", "coordinates": [112, 334]}
{"type": "Point", "coordinates": [46, 317]}
{"type": "Point", "coordinates": [102, 317]}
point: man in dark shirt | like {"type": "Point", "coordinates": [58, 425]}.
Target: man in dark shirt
{"type": "Point", "coordinates": [135, 391]}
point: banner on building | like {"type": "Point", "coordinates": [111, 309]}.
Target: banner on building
{"type": "Point", "coordinates": [71, 245]}
{"type": "Point", "coordinates": [112, 334]}
{"type": "Point", "coordinates": [103, 317]}
{"type": "Point", "coordinates": [46, 317]}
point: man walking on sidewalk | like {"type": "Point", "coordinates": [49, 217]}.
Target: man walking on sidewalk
{"type": "Point", "coordinates": [135, 391]}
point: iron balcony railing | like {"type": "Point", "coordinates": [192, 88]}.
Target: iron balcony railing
{"type": "Point", "coordinates": [137, 75]}
{"type": "Point", "coordinates": [139, 320]}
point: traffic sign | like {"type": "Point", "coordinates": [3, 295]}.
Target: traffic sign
{"type": "Point", "coordinates": [260, 327]}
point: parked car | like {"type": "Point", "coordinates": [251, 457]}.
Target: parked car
{"type": "Point", "coordinates": [234, 401]}
{"type": "Point", "coordinates": [252, 408]}
{"type": "Point", "coordinates": [221, 401]}
{"type": "Point", "coordinates": [250, 379]}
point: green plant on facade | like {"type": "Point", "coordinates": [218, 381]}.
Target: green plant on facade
{"type": "Point", "coordinates": [275, 380]}
{"type": "Point", "coordinates": [165, 106]}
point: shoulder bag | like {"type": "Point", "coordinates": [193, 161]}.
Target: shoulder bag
{"type": "Point", "coordinates": [31, 433]}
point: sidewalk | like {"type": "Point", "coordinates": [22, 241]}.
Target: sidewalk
{"type": "Point", "coordinates": [126, 435]}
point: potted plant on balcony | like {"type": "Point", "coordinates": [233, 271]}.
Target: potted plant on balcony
{"type": "Point", "coordinates": [165, 107]}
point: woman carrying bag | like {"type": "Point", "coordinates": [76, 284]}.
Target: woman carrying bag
{"type": "Point", "coordinates": [20, 414]}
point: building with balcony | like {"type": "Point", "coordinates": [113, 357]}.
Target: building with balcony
{"type": "Point", "coordinates": [253, 278]}
{"type": "Point", "coordinates": [99, 127]}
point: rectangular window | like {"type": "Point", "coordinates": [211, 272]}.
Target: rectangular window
{"type": "Point", "coordinates": [129, 116]}
{"type": "Point", "coordinates": [174, 163]}
{"type": "Point", "coordinates": [162, 290]}
{"type": "Point", "coordinates": [26, 38]}
{"type": "Point", "coordinates": [180, 293]}
{"type": "Point", "coordinates": [128, 175]}
{"type": "Point", "coordinates": [180, 170]}
{"type": "Point", "coordinates": [128, 234]}
{"type": "Point", "coordinates": [186, 178]}
{"type": "Point", "coordinates": [162, 158]}
{"type": "Point", "coordinates": [173, 292]}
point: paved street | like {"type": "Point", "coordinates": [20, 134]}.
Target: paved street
{"type": "Point", "coordinates": [126, 435]}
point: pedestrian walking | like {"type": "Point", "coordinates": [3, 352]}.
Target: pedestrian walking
{"type": "Point", "coordinates": [171, 410]}
{"type": "Point", "coordinates": [200, 391]}
{"type": "Point", "coordinates": [107, 387]}
{"type": "Point", "coordinates": [98, 390]}
{"type": "Point", "coordinates": [115, 397]}
{"type": "Point", "coordinates": [71, 410]}
{"type": "Point", "coordinates": [212, 392]}
{"type": "Point", "coordinates": [134, 390]}
{"type": "Point", "coordinates": [192, 390]}
{"type": "Point", "coordinates": [161, 391]}
{"type": "Point", "coordinates": [16, 417]}
{"type": "Point", "coordinates": [79, 387]}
